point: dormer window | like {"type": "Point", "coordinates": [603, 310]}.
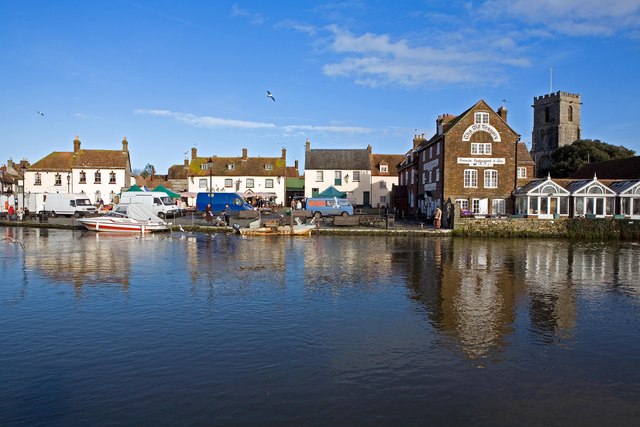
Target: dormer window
{"type": "Point", "coordinates": [481, 118]}
{"type": "Point", "coordinates": [268, 166]}
{"type": "Point", "coordinates": [384, 168]}
{"type": "Point", "coordinates": [204, 166]}
{"type": "Point", "coordinates": [231, 167]}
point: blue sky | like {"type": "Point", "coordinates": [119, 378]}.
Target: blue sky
{"type": "Point", "coordinates": [171, 75]}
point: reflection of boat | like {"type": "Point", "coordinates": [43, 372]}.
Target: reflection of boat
{"type": "Point", "coordinates": [133, 218]}
{"type": "Point", "coordinates": [256, 228]}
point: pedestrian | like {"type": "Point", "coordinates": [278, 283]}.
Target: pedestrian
{"type": "Point", "coordinates": [12, 213]}
{"type": "Point", "coordinates": [299, 205]}
{"type": "Point", "coordinates": [437, 219]}
{"type": "Point", "coordinates": [226, 215]}
{"type": "Point", "coordinates": [293, 204]}
{"type": "Point", "coordinates": [207, 214]}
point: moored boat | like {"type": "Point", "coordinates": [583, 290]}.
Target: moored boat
{"type": "Point", "coordinates": [256, 228]}
{"type": "Point", "coordinates": [133, 218]}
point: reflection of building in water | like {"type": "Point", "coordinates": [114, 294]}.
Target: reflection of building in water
{"type": "Point", "coordinates": [552, 307]}
{"type": "Point", "coordinates": [338, 264]}
{"type": "Point", "coordinates": [478, 296]}
{"type": "Point", "coordinates": [81, 258]}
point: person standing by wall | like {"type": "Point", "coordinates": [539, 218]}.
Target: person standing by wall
{"type": "Point", "coordinates": [437, 219]}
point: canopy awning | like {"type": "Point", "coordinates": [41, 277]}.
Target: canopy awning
{"type": "Point", "coordinates": [170, 193]}
{"type": "Point", "coordinates": [332, 191]}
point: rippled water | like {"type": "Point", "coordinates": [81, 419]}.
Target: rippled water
{"type": "Point", "coordinates": [177, 329]}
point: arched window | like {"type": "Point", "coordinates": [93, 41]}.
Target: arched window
{"type": "Point", "coordinates": [595, 190]}
{"type": "Point", "coordinates": [570, 113]}
{"type": "Point", "coordinates": [548, 189]}
{"type": "Point", "coordinates": [547, 114]}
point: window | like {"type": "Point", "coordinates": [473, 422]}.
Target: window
{"type": "Point", "coordinates": [423, 155]}
{"type": "Point", "coordinates": [204, 166]}
{"type": "Point", "coordinates": [491, 178]}
{"type": "Point", "coordinates": [522, 172]}
{"type": "Point", "coordinates": [431, 152]}
{"type": "Point", "coordinates": [570, 113]}
{"type": "Point", "coordinates": [480, 148]}
{"type": "Point", "coordinates": [98, 178]}
{"type": "Point", "coordinates": [337, 178]}
{"type": "Point", "coordinates": [470, 178]}
{"type": "Point", "coordinates": [268, 167]}
{"type": "Point", "coordinates": [268, 183]}
{"type": "Point", "coordinates": [83, 177]}
{"type": "Point", "coordinates": [58, 179]}
{"type": "Point", "coordinates": [249, 182]}
{"type": "Point", "coordinates": [475, 206]}
{"type": "Point", "coordinates": [430, 178]}
{"type": "Point", "coordinates": [356, 176]}
{"type": "Point", "coordinates": [202, 183]}
{"type": "Point", "coordinates": [482, 118]}
{"type": "Point", "coordinates": [319, 176]}
{"type": "Point", "coordinates": [424, 177]}
{"type": "Point", "coordinates": [383, 184]}
{"type": "Point", "coordinates": [383, 199]}
{"type": "Point", "coordinates": [463, 204]}
{"type": "Point", "coordinates": [231, 167]}
{"type": "Point", "coordinates": [228, 183]}
{"type": "Point", "coordinates": [547, 114]}
{"type": "Point", "coordinates": [384, 168]}
{"type": "Point", "coordinates": [112, 177]}
{"type": "Point", "coordinates": [437, 149]}
{"type": "Point", "coordinates": [498, 206]}
{"type": "Point", "coordinates": [437, 173]}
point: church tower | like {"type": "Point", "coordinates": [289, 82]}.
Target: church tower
{"type": "Point", "coordinates": [556, 123]}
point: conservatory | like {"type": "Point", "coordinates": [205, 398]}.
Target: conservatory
{"type": "Point", "coordinates": [592, 199]}
{"type": "Point", "coordinates": [542, 198]}
{"type": "Point", "coordinates": [629, 195]}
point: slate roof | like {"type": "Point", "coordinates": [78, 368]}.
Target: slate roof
{"type": "Point", "coordinates": [619, 169]}
{"type": "Point", "coordinates": [391, 160]}
{"type": "Point", "coordinates": [337, 159]}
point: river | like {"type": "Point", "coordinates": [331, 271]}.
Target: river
{"type": "Point", "coordinates": [202, 329]}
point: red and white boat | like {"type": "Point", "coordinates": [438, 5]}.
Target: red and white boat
{"type": "Point", "coordinates": [133, 218]}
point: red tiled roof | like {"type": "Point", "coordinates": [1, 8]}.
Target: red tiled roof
{"type": "Point", "coordinates": [627, 168]}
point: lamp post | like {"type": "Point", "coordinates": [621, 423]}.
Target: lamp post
{"type": "Point", "coordinates": [210, 167]}
{"type": "Point", "coordinates": [24, 183]}
{"type": "Point", "coordinates": [68, 182]}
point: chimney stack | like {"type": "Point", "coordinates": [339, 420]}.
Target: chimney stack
{"type": "Point", "coordinates": [244, 154]}
{"type": "Point", "coordinates": [369, 148]}
{"type": "Point", "coordinates": [125, 144]}
{"type": "Point", "coordinates": [76, 144]}
{"type": "Point", "coordinates": [296, 165]}
{"type": "Point", "coordinates": [194, 153]}
{"type": "Point", "coordinates": [284, 155]}
{"type": "Point", "coordinates": [502, 112]}
{"type": "Point", "coordinates": [307, 145]}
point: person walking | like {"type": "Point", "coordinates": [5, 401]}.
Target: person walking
{"type": "Point", "coordinates": [207, 214]}
{"type": "Point", "coordinates": [437, 219]}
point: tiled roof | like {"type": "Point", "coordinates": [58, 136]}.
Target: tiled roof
{"type": "Point", "coordinates": [627, 168]}
{"type": "Point", "coordinates": [292, 172]}
{"type": "Point", "coordinates": [65, 160]}
{"type": "Point", "coordinates": [252, 166]}
{"type": "Point", "coordinates": [339, 159]}
{"type": "Point", "coordinates": [391, 160]}
{"type": "Point", "coordinates": [524, 156]}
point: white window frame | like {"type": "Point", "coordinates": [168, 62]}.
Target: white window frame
{"type": "Point", "coordinates": [202, 183]}
{"type": "Point", "coordinates": [228, 183]}
{"type": "Point", "coordinates": [475, 206]}
{"type": "Point", "coordinates": [355, 176]}
{"type": "Point", "coordinates": [250, 183]}
{"type": "Point", "coordinates": [522, 172]}
{"type": "Point", "coordinates": [268, 183]}
{"type": "Point", "coordinates": [437, 172]}
{"type": "Point", "coordinates": [481, 118]}
{"type": "Point", "coordinates": [384, 168]}
{"type": "Point", "coordinates": [463, 203]}
{"type": "Point", "coordinates": [490, 178]}
{"type": "Point", "coordinates": [319, 176]}
{"type": "Point", "coordinates": [498, 206]}
{"type": "Point", "coordinates": [481, 148]}
{"type": "Point", "coordinates": [470, 178]}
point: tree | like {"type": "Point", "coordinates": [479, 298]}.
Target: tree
{"type": "Point", "coordinates": [568, 159]}
{"type": "Point", "coordinates": [147, 171]}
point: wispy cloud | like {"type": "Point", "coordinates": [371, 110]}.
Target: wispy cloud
{"type": "Point", "coordinates": [572, 17]}
{"type": "Point", "coordinates": [327, 129]}
{"type": "Point", "coordinates": [205, 121]}
{"type": "Point", "coordinates": [377, 60]}
{"type": "Point", "coordinates": [253, 18]}
{"type": "Point", "coordinates": [300, 27]}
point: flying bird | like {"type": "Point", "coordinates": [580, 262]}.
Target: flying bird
{"type": "Point", "coordinates": [269, 95]}
{"type": "Point", "coordinates": [40, 112]}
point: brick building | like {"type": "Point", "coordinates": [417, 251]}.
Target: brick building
{"type": "Point", "coordinates": [474, 160]}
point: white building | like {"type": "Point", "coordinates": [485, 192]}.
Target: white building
{"type": "Point", "coordinates": [100, 174]}
{"type": "Point", "coordinates": [251, 177]}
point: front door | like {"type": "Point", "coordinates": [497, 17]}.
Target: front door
{"type": "Point", "coordinates": [366, 199]}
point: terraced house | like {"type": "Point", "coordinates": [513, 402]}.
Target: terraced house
{"type": "Point", "coordinates": [100, 174]}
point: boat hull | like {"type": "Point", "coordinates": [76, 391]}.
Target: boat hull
{"type": "Point", "coordinates": [283, 230]}
{"type": "Point", "coordinates": [120, 226]}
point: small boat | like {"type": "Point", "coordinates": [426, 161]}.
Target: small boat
{"type": "Point", "coordinates": [132, 218]}
{"type": "Point", "coordinates": [256, 228]}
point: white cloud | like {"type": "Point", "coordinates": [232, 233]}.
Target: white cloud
{"type": "Point", "coordinates": [205, 121]}
{"type": "Point", "coordinates": [300, 27]}
{"type": "Point", "coordinates": [333, 129]}
{"type": "Point", "coordinates": [572, 17]}
{"type": "Point", "coordinates": [254, 18]}
{"type": "Point", "coordinates": [377, 60]}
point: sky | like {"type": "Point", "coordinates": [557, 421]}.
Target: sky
{"type": "Point", "coordinates": [171, 75]}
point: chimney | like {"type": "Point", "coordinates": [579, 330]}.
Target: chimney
{"type": "Point", "coordinates": [76, 144]}
{"type": "Point", "coordinates": [186, 162]}
{"type": "Point", "coordinates": [417, 139]}
{"type": "Point", "coordinates": [369, 148]}
{"type": "Point", "coordinates": [194, 153]}
{"type": "Point", "coordinates": [244, 154]}
{"type": "Point", "coordinates": [125, 144]}
{"type": "Point", "coordinates": [296, 165]}
{"type": "Point", "coordinates": [502, 112]}
{"type": "Point", "coordinates": [307, 145]}
{"type": "Point", "coordinates": [284, 155]}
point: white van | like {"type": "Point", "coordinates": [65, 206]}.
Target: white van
{"type": "Point", "coordinates": [158, 202]}
{"type": "Point", "coordinates": [68, 204]}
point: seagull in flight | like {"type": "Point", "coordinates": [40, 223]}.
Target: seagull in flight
{"type": "Point", "coordinates": [269, 95]}
{"type": "Point", "coordinates": [40, 113]}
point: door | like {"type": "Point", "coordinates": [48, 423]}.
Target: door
{"type": "Point", "coordinates": [366, 199]}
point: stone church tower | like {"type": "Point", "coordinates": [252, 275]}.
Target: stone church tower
{"type": "Point", "coordinates": [556, 123]}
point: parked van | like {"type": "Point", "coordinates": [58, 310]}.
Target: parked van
{"type": "Point", "coordinates": [219, 200]}
{"type": "Point", "coordinates": [68, 204]}
{"type": "Point", "coordinates": [158, 202]}
{"type": "Point", "coordinates": [329, 206]}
